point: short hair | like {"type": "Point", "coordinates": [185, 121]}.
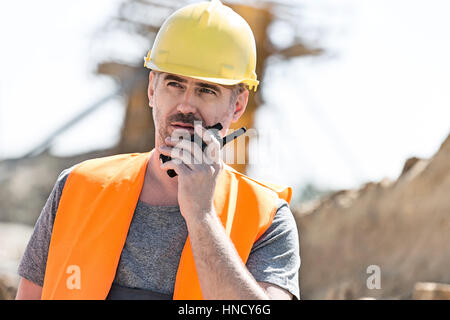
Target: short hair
{"type": "Point", "coordinates": [155, 78]}
{"type": "Point", "coordinates": [237, 90]}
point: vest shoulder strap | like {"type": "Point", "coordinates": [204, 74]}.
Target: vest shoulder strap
{"type": "Point", "coordinates": [283, 192]}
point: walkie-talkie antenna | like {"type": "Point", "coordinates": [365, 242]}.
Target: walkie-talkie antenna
{"type": "Point", "coordinates": [233, 136]}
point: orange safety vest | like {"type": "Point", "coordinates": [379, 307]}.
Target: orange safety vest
{"type": "Point", "coordinates": [95, 211]}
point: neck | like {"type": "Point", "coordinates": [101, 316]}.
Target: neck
{"type": "Point", "coordinates": [159, 176]}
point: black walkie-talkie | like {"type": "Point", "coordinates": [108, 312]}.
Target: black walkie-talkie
{"type": "Point", "coordinates": [215, 131]}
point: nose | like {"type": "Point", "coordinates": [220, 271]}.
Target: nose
{"type": "Point", "coordinates": [186, 105]}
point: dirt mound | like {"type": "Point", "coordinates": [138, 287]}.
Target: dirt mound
{"type": "Point", "coordinates": [402, 227]}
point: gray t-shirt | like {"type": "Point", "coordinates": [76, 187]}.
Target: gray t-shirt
{"type": "Point", "coordinates": [155, 240]}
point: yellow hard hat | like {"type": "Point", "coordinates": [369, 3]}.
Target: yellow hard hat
{"type": "Point", "coordinates": [206, 41]}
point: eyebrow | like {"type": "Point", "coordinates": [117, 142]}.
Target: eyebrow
{"type": "Point", "coordinates": [173, 77]}
{"type": "Point", "coordinates": [199, 84]}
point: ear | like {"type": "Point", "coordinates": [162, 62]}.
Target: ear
{"type": "Point", "coordinates": [150, 90]}
{"type": "Point", "coordinates": [240, 105]}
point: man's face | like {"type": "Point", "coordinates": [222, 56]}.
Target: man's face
{"type": "Point", "coordinates": [178, 101]}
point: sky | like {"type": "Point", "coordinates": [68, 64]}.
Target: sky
{"type": "Point", "coordinates": [383, 96]}
{"type": "Point", "coordinates": [379, 95]}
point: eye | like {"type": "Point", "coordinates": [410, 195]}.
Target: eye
{"type": "Point", "coordinates": [174, 84]}
{"type": "Point", "coordinates": [208, 91]}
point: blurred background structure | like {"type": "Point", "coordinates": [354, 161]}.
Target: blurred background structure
{"type": "Point", "coordinates": [353, 112]}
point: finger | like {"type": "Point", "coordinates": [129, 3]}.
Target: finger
{"type": "Point", "coordinates": [179, 134]}
{"type": "Point", "coordinates": [179, 168]}
{"type": "Point", "coordinates": [205, 134]}
{"type": "Point", "coordinates": [218, 167]}
{"type": "Point", "coordinates": [178, 154]}
{"type": "Point", "coordinates": [188, 146]}
{"type": "Point", "coordinates": [212, 151]}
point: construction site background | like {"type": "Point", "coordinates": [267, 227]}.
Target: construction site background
{"type": "Point", "coordinates": [398, 226]}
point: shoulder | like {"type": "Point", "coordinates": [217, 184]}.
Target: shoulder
{"type": "Point", "coordinates": [100, 163]}
{"type": "Point", "coordinates": [61, 180]}
{"type": "Point", "coordinates": [64, 175]}
{"type": "Point", "coordinates": [282, 231]}
{"type": "Point", "coordinates": [276, 191]}
{"type": "Point", "coordinates": [104, 168]}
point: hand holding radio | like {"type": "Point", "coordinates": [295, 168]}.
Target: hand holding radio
{"type": "Point", "coordinates": [214, 130]}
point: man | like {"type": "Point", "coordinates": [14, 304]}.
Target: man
{"type": "Point", "coordinates": [120, 228]}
